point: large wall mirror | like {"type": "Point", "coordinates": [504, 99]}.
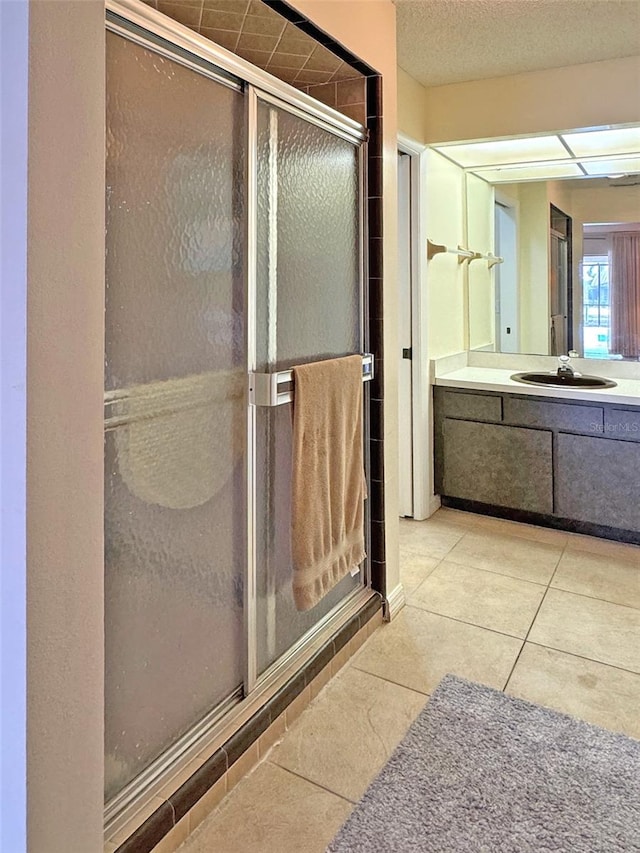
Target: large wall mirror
{"type": "Point", "coordinates": [564, 214]}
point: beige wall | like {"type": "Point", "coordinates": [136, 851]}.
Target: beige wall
{"type": "Point", "coordinates": [533, 249]}
{"type": "Point", "coordinates": [445, 224]}
{"type": "Point", "coordinates": [65, 427]}
{"type": "Point", "coordinates": [65, 390]}
{"type": "Point", "coordinates": [533, 199]}
{"type": "Point", "coordinates": [480, 278]}
{"type": "Point", "coordinates": [459, 212]}
{"type": "Point", "coordinates": [369, 30]}
{"type": "Point", "coordinates": [412, 107]}
{"type": "Point", "coordinates": [589, 95]}
{"type": "Point", "coordinates": [606, 204]}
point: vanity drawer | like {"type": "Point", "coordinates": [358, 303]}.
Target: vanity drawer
{"type": "Point", "coordinates": [622, 424]}
{"type": "Point", "coordinates": [565, 416]}
{"type": "Point", "coordinates": [471, 407]}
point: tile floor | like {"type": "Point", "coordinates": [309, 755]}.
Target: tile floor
{"type": "Point", "coordinates": [548, 616]}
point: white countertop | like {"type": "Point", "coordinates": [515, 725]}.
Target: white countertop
{"type": "Point", "coordinates": [626, 392]}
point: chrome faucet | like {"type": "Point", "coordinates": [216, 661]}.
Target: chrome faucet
{"type": "Point", "coordinates": [564, 367]}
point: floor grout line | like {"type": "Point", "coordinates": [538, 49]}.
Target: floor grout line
{"type": "Point", "coordinates": [491, 572]}
{"type": "Point", "coordinates": [595, 597]}
{"type": "Point", "coordinates": [407, 593]}
{"type": "Point", "coordinates": [317, 784]}
{"type": "Point", "coordinates": [391, 681]}
{"type": "Point", "coordinates": [584, 657]}
{"type": "Point", "coordinates": [462, 621]}
{"type": "Point", "coordinates": [524, 642]}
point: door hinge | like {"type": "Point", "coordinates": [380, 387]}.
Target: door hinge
{"type": "Point", "coordinates": [407, 352]}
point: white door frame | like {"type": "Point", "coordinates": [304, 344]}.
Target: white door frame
{"type": "Point", "coordinates": [424, 501]}
{"type": "Point", "coordinates": [405, 338]}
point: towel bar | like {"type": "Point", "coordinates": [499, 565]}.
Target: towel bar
{"type": "Point", "coordinates": [264, 388]}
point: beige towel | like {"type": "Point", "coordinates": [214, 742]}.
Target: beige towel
{"type": "Point", "coordinates": [328, 485]}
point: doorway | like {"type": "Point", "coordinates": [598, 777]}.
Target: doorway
{"type": "Point", "coordinates": [415, 465]}
{"type": "Point", "coordinates": [560, 283]}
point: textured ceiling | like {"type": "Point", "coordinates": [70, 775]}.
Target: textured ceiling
{"type": "Point", "coordinates": [451, 41]}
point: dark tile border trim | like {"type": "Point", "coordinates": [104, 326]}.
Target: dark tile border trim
{"type": "Point", "coordinates": [375, 302]}
{"type": "Point", "coordinates": [152, 831]}
{"type": "Point", "coordinates": [162, 821]}
{"type": "Point", "coordinates": [586, 528]}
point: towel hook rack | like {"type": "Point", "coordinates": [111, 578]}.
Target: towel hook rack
{"type": "Point", "coordinates": [434, 249]}
{"type": "Point", "coordinates": [491, 259]}
{"type": "Point", "coordinates": [463, 254]}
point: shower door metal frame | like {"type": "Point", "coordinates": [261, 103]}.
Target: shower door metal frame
{"type": "Point", "coordinates": [136, 21]}
{"type": "Point", "coordinates": [252, 678]}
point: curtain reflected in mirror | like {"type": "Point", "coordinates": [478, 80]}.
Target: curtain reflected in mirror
{"type": "Point", "coordinates": [611, 291]}
{"type": "Point", "coordinates": [625, 294]}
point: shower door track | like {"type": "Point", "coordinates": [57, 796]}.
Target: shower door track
{"type": "Point", "coordinates": [138, 22]}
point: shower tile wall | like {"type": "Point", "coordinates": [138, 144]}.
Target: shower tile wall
{"type": "Point", "coordinates": [263, 37]}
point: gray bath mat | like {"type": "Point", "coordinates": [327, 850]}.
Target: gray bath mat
{"type": "Point", "coordinates": [482, 772]}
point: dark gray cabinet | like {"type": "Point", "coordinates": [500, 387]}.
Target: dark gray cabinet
{"type": "Point", "coordinates": [575, 462]}
{"type": "Point", "coordinates": [501, 465]}
{"type": "Point", "coordinates": [598, 480]}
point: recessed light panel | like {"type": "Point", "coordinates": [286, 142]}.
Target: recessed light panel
{"type": "Point", "coordinates": [620, 166]}
{"type": "Point", "coordinates": [537, 172]}
{"type": "Point", "coordinates": [505, 151]}
{"type": "Point", "coordinates": [622, 140]}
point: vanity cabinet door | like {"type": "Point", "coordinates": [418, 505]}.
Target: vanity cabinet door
{"type": "Point", "coordinates": [597, 480]}
{"type": "Point", "coordinates": [500, 465]}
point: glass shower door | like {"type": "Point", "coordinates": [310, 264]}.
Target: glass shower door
{"type": "Point", "coordinates": [309, 307]}
{"type": "Point", "coordinates": [175, 377]}
{"type": "Point", "coordinates": [196, 479]}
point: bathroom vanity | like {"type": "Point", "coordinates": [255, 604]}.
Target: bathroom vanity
{"type": "Point", "coordinates": [571, 462]}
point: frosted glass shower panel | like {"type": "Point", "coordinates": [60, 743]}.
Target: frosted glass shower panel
{"type": "Point", "coordinates": [175, 207]}
{"type": "Point", "coordinates": [175, 486]}
{"type": "Point", "coordinates": [280, 625]}
{"type": "Point", "coordinates": [308, 308]}
{"type": "Point", "coordinates": [309, 260]}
